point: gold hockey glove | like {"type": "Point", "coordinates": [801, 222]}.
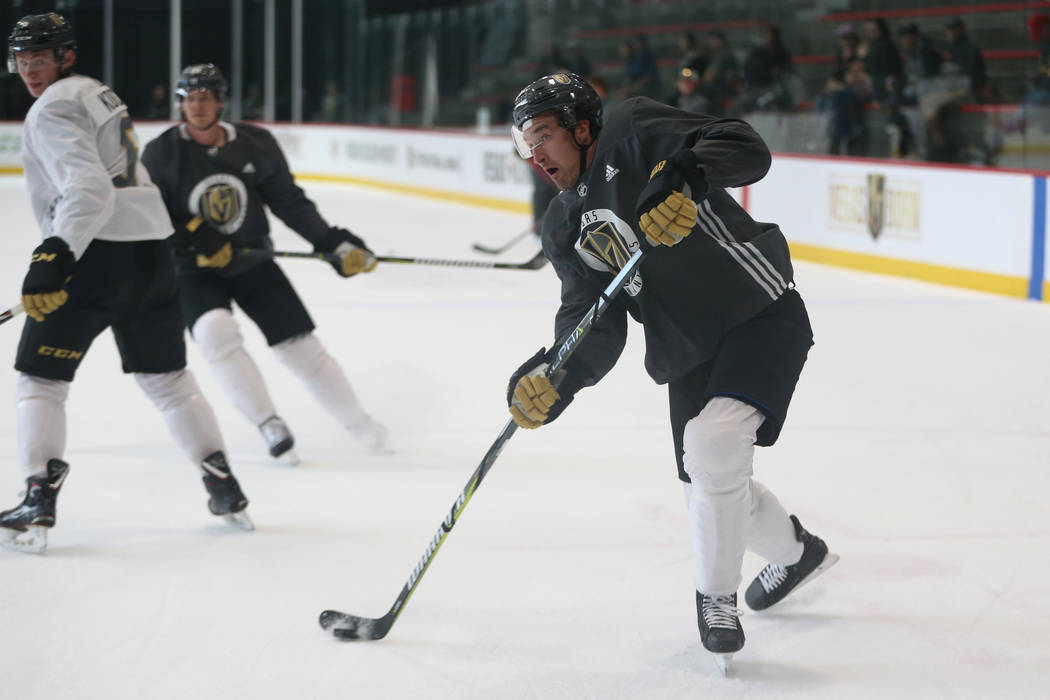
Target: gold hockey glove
{"type": "Point", "coordinates": [665, 214]}
{"type": "Point", "coordinates": [354, 255]}
{"type": "Point", "coordinates": [532, 397]}
{"type": "Point", "coordinates": [354, 260]}
{"type": "Point", "coordinates": [214, 250]}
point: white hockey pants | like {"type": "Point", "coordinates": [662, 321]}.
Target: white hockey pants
{"type": "Point", "coordinates": [729, 511]}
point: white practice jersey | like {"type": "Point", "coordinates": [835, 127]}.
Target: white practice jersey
{"type": "Point", "coordinates": [81, 160]}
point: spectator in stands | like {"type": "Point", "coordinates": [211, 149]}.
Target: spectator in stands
{"type": "Point", "coordinates": [1034, 111]}
{"type": "Point", "coordinates": [882, 61]}
{"type": "Point", "coordinates": [159, 105]}
{"type": "Point", "coordinates": [845, 101]}
{"type": "Point", "coordinates": [848, 50]}
{"type": "Point", "coordinates": [690, 54]}
{"type": "Point", "coordinates": [687, 95]}
{"type": "Point", "coordinates": [965, 58]}
{"type": "Point", "coordinates": [721, 80]}
{"type": "Point", "coordinates": [1039, 33]}
{"type": "Point", "coordinates": [640, 70]}
{"type": "Point", "coordinates": [921, 62]}
{"type": "Point", "coordinates": [768, 71]}
{"type": "Point", "coordinates": [921, 86]}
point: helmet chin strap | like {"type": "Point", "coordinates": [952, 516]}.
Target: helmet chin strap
{"type": "Point", "coordinates": [583, 154]}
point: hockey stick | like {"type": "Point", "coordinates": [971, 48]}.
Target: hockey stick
{"type": "Point", "coordinates": [344, 626]}
{"type": "Point", "coordinates": [506, 246]}
{"type": "Point", "coordinates": [533, 263]}
{"type": "Point", "coordinates": [6, 316]}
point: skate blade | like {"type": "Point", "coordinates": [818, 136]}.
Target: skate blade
{"type": "Point", "coordinates": [723, 661]}
{"type": "Point", "coordinates": [32, 541]}
{"type": "Point", "coordinates": [240, 519]}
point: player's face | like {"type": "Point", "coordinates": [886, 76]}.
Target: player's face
{"type": "Point", "coordinates": [553, 149]}
{"type": "Point", "coordinates": [39, 69]}
{"type": "Point", "coordinates": [201, 109]}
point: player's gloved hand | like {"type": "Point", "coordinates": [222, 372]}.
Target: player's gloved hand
{"type": "Point", "coordinates": [531, 397]}
{"type": "Point", "coordinates": [354, 255]}
{"type": "Point", "coordinates": [213, 248]}
{"type": "Point", "coordinates": [50, 267]}
{"type": "Point", "coordinates": [666, 207]}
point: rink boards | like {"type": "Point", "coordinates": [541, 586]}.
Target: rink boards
{"type": "Point", "coordinates": [966, 227]}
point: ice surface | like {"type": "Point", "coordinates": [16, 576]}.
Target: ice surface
{"type": "Point", "coordinates": [917, 447]}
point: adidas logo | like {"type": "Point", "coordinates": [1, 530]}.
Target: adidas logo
{"type": "Point", "coordinates": [610, 172]}
{"type": "Point", "coordinates": [249, 168]}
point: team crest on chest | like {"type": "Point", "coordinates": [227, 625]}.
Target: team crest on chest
{"type": "Point", "coordinates": [220, 200]}
{"type": "Point", "coordinates": [606, 243]}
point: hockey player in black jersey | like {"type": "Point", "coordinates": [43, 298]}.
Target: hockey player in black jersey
{"type": "Point", "coordinates": [724, 327]}
{"type": "Point", "coordinates": [216, 177]}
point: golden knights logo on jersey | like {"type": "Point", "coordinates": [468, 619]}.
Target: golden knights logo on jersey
{"type": "Point", "coordinates": [219, 204]}
{"type": "Point", "coordinates": [606, 243]}
{"type": "Point", "coordinates": [220, 200]}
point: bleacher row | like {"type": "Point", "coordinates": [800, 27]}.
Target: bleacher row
{"type": "Point", "coordinates": [807, 28]}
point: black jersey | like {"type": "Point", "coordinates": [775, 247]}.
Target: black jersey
{"type": "Point", "coordinates": [228, 187]}
{"type": "Point", "coordinates": [687, 296]}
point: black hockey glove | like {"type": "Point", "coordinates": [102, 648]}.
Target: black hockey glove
{"type": "Point", "coordinates": [666, 211]}
{"type": "Point", "coordinates": [50, 267]}
{"type": "Point", "coordinates": [532, 398]}
{"type": "Point", "coordinates": [213, 248]}
{"type": "Point", "coordinates": [354, 255]}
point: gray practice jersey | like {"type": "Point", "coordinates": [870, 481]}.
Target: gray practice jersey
{"type": "Point", "coordinates": [687, 297]}
{"type": "Point", "coordinates": [81, 161]}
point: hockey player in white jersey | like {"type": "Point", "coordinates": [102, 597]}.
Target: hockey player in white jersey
{"type": "Point", "coordinates": [103, 263]}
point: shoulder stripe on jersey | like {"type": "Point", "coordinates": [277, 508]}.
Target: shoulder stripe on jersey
{"type": "Point", "coordinates": [773, 274]}
{"type": "Point", "coordinates": [743, 255]}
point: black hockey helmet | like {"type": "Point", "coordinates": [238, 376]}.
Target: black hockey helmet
{"type": "Point", "coordinates": [203, 76]}
{"type": "Point", "coordinates": [35, 32]}
{"type": "Point", "coordinates": [567, 95]}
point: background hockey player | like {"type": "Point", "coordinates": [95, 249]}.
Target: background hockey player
{"type": "Point", "coordinates": [103, 263]}
{"type": "Point", "coordinates": [724, 326]}
{"type": "Point", "coordinates": [215, 178]}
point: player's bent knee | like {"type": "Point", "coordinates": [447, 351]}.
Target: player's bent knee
{"type": "Point", "coordinates": [217, 335]}
{"type": "Point", "coordinates": [718, 445]}
{"type": "Point", "coordinates": [167, 388]}
{"type": "Point", "coordinates": [303, 352]}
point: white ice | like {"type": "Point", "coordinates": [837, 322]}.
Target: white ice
{"type": "Point", "coordinates": [917, 446]}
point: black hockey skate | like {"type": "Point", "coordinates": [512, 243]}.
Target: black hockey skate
{"type": "Point", "coordinates": [25, 526]}
{"type": "Point", "coordinates": [226, 498]}
{"type": "Point", "coordinates": [720, 630]}
{"type": "Point", "coordinates": [774, 582]}
{"type": "Point", "coordinates": [279, 439]}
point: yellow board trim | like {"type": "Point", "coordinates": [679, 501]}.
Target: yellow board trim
{"type": "Point", "coordinates": [1007, 285]}
{"type": "Point", "coordinates": [431, 193]}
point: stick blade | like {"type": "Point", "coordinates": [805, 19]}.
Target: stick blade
{"type": "Point", "coordinates": [485, 249]}
{"type": "Point", "coordinates": [343, 626]}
